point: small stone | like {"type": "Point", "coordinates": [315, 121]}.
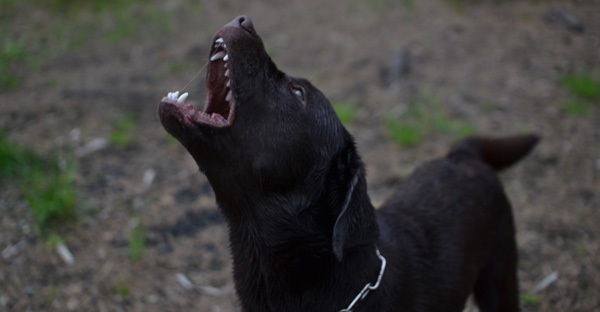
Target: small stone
{"type": "Point", "coordinates": [184, 281]}
{"type": "Point", "coordinates": [3, 301]}
{"type": "Point", "coordinates": [92, 146]}
{"type": "Point", "coordinates": [65, 254]}
{"type": "Point", "coordinates": [148, 178]}
{"type": "Point", "coordinates": [560, 16]}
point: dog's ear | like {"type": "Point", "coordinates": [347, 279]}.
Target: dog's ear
{"type": "Point", "coordinates": [355, 217]}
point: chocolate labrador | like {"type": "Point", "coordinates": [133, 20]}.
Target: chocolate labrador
{"type": "Point", "coordinates": [304, 235]}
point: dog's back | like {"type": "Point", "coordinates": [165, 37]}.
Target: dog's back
{"type": "Point", "coordinates": [453, 221]}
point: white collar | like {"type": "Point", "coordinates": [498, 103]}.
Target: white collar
{"type": "Point", "coordinates": [368, 287]}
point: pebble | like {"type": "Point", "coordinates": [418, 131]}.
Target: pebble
{"type": "Point", "coordinates": [184, 281]}
{"type": "Point", "coordinates": [3, 301]}
{"type": "Point", "coordinates": [560, 16]}
{"type": "Point", "coordinates": [65, 254]}
{"type": "Point", "coordinates": [148, 178]}
{"type": "Point", "coordinates": [92, 146]}
{"type": "Point", "coordinates": [544, 283]}
{"type": "Point", "coordinates": [14, 249]}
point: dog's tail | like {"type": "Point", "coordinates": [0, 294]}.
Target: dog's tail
{"type": "Point", "coordinates": [499, 153]}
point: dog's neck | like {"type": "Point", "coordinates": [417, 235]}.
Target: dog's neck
{"type": "Point", "coordinates": [269, 275]}
{"type": "Point", "coordinates": [276, 256]}
{"type": "Point", "coordinates": [316, 238]}
{"type": "Point", "coordinates": [295, 242]}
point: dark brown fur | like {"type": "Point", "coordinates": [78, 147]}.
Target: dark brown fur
{"type": "Point", "coordinates": [303, 232]}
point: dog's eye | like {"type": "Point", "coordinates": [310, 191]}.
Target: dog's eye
{"type": "Point", "coordinates": [298, 92]}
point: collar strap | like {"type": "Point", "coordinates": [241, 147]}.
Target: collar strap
{"type": "Point", "coordinates": [368, 287]}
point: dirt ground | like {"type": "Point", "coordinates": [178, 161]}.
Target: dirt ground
{"type": "Point", "coordinates": [495, 65]}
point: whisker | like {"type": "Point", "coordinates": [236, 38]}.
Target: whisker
{"type": "Point", "coordinates": [195, 76]}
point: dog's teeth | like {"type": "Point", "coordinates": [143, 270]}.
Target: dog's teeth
{"type": "Point", "coordinates": [217, 56]}
{"type": "Point", "coordinates": [169, 95]}
{"type": "Point", "coordinates": [175, 95]}
{"type": "Point", "coordinates": [227, 73]}
{"type": "Point", "coordinates": [181, 98]}
{"type": "Point", "coordinates": [229, 96]}
{"type": "Point", "coordinates": [219, 40]}
{"type": "Point", "coordinates": [228, 83]}
{"type": "Point", "coordinates": [226, 58]}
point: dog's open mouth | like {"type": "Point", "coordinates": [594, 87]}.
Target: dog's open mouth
{"type": "Point", "coordinates": [219, 105]}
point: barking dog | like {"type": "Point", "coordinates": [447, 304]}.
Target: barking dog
{"type": "Point", "coordinates": [304, 235]}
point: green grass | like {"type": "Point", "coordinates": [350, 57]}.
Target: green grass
{"type": "Point", "coordinates": [137, 241]}
{"type": "Point", "coordinates": [122, 132]}
{"type": "Point", "coordinates": [11, 54]}
{"type": "Point", "coordinates": [122, 289]}
{"type": "Point", "coordinates": [530, 299]}
{"type": "Point", "coordinates": [582, 85]}
{"type": "Point", "coordinates": [54, 240]}
{"type": "Point", "coordinates": [16, 161]}
{"type": "Point", "coordinates": [576, 107]}
{"type": "Point", "coordinates": [45, 184]}
{"type": "Point", "coordinates": [47, 189]}
{"type": "Point", "coordinates": [404, 133]}
{"type": "Point", "coordinates": [50, 194]}
{"type": "Point", "coordinates": [345, 110]}
{"type": "Point", "coordinates": [585, 91]}
{"type": "Point", "coordinates": [424, 117]}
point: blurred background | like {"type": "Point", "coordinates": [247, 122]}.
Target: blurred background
{"type": "Point", "coordinates": [100, 210]}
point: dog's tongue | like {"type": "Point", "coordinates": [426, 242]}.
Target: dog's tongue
{"type": "Point", "coordinates": [218, 117]}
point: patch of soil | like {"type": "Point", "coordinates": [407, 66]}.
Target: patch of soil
{"type": "Point", "coordinates": [494, 65]}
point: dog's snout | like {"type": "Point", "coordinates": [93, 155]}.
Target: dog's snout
{"type": "Point", "coordinates": [244, 22]}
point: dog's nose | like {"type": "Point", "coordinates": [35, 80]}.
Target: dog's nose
{"type": "Point", "coordinates": [245, 22]}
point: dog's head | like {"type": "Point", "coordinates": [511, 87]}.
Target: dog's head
{"type": "Point", "coordinates": [265, 136]}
